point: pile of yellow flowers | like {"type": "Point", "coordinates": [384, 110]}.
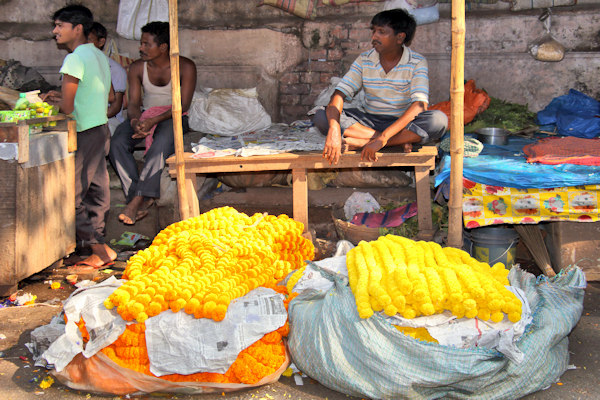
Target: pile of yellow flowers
{"type": "Point", "coordinates": [394, 274]}
{"type": "Point", "coordinates": [201, 264]}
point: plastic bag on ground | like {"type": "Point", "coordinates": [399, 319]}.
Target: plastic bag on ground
{"type": "Point", "coordinates": [101, 375]}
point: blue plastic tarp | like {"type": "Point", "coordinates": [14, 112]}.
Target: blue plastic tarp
{"type": "Point", "coordinates": [507, 166]}
{"type": "Point", "coordinates": [574, 114]}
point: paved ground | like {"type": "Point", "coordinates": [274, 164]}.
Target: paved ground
{"type": "Point", "coordinates": [19, 380]}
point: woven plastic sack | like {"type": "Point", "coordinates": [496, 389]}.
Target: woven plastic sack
{"type": "Point", "coordinates": [370, 358]}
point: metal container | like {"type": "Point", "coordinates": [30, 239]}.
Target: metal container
{"type": "Point", "coordinates": [497, 136]}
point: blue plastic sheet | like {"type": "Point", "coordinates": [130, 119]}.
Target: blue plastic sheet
{"type": "Point", "coordinates": [574, 114]}
{"type": "Point", "coordinates": [507, 166]}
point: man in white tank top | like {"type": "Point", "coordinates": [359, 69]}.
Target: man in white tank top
{"type": "Point", "coordinates": [149, 120]}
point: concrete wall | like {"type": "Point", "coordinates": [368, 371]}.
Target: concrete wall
{"type": "Point", "coordinates": [290, 60]}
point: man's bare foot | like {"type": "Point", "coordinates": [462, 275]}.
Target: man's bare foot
{"type": "Point", "coordinates": [129, 215]}
{"type": "Point", "coordinates": [407, 147]}
{"type": "Point", "coordinates": [102, 256]}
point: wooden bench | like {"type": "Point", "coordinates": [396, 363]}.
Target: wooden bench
{"type": "Point", "coordinates": [299, 163]}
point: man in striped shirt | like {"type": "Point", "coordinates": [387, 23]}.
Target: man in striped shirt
{"type": "Point", "coordinates": [396, 85]}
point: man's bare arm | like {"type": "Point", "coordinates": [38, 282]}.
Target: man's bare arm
{"type": "Point", "coordinates": [68, 91]}
{"type": "Point", "coordinates": [188, 75]}
{"type": "Point", "coordinates": [116, 105]}
{"type": "Point", "coordinates": [134, 83]}
{"type": "Point", "coordinates": [333, 143]}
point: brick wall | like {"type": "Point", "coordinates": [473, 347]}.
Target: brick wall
{"type": "Point", "coordinates": [300, 86]}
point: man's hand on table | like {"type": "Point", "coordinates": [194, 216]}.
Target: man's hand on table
{"type": "Point", "coordinates": [369, 151]}
{"type": "Point", "coordinates": [333, 144]}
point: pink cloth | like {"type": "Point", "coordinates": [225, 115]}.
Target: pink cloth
{"type": "Point", "coordinates": [387, 219]}
{"type": "Point", "coordinates": [150, 113]}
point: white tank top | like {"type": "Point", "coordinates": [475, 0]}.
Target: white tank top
{"type": "Point", "coordinates": [154, 95]}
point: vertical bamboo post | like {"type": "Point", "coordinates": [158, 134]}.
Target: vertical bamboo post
{"type": "Point", "coordinates": [184, 211]}
{"type": "Point", "coordinates": [457, 125]}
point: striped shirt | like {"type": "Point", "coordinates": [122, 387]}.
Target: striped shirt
{"type": "Point", "coordinates": [391, 93]}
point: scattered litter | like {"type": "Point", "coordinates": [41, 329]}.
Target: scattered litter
{"type": "Point", "coordinates": [84, 283]}
{"type": "Point", "coordinates": [38, 393]}
{"type": "Point", "coordinates": [288, 372]}
{"type": "Point", "coordinates": [107, 271]}
{"type": "Point", "coordinates": [47, 382]}
{"type": "Point", "coordinates": [129, 239]}
{"type": "Point", "coordinates": [55, 285]}
{"type": "Point", "coordinates": [23, 358]}
{"type": "Point", "coordinates": [72, 279]}
{"type": "Point", "coordinates": [571, 366]}
{"type": "Point", "coordinates": [25, 299]}
{"type": "Point", "coordinates": [298, 379]}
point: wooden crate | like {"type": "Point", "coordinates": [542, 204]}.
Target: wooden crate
{"type": "Point", "coordinates": [37, 203]}
{"type": "Point", "coordinates": [574, 243]}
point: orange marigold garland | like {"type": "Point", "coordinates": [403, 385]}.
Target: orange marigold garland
{"type": "Point", "coordinates": [261, 359]}
{"type": "Point", "coordinates": [201, 264]}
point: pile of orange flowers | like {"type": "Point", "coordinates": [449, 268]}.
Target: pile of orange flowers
{"type": "Point", "coordinates": [262, 358]}
{"type": "Point", "coordinates": [201, 264]}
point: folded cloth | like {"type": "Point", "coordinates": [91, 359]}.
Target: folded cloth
{"type": "Point", "coordinates": [388, 219]}
{"type": "Point", "coordinates": [150, 113]}
{"type": "Point", "coordinates": [564, 150]}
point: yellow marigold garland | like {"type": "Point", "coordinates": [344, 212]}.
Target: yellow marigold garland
{"type": "Point", "coordinates": [396, 274]}
{"type": "Point", "coordinates": [201, 264]}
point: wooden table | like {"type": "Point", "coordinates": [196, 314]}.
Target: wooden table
{"type": "Point", "coordinates": [299, 163]}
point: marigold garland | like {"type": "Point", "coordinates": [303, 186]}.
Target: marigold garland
{"type": "Point", "coordinates": [201, 264]}
{"type": "Point", "coordinates": [394, 274]}
{"type": "Point", "coordinates": [259, 360]}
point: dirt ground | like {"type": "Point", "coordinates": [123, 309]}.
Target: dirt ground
{"type": "Point", "coordinates": [20, 380]}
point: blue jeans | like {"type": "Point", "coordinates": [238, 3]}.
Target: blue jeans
{"type": "Point", "coordinates": [429, 125]}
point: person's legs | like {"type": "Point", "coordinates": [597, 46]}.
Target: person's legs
{"type": "Point", "coordinates": [121, 158]}
{"type": "Point", "coordinates": [163, 145]}
{"type": "Point", "coordinates": [429, 125]}
{"type": "Point", "coordinates": [92, 195]}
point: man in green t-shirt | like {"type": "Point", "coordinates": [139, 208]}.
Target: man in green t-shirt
{"type": "Point", "coordinates": [85, 92]}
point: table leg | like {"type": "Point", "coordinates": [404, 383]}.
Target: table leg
{"type": "Point", "coordinates": [300, 196]}
{"type": "Point", "coordinates": [424, 203]}
{"type": "Point", "coordinates": [191, 187]}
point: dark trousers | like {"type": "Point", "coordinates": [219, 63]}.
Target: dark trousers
{"type": "Point", "coordinates": [92, 191]}
{"type": "Point", "coordinates": [430, 124]}
{"type": "Point", "coordinates": [147, 181]}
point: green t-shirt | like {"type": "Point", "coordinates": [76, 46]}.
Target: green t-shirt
{"type": "Point", "coordinates": [90, 66]}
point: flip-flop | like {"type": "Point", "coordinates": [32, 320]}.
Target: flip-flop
{"type": "Point", "coordinates": [141, 214]}
{"type": "Point", "coordinates": [88, 264]}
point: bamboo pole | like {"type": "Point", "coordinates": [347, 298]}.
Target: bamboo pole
{"type": "Point", "coordinates": [184, 211]}
{"type": "Point", "coordinates": [457, 125]}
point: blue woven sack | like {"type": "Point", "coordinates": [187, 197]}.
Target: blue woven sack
{"type": "Point", "coordinates": [370, 358]}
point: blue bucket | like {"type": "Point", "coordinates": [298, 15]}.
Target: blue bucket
{"type": "Point", "coordinates": [492, 244]}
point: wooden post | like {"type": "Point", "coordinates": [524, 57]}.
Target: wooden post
{"type": "Point", "coordinates": [184, 209]}
{"type": "Point", "coordinates": [457, 124]}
